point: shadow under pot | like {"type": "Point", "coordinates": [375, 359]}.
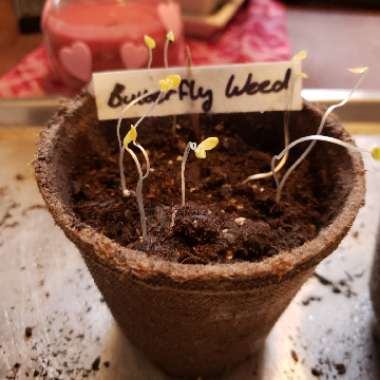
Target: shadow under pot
{"type": "Point", "coordinates": [194, 306]}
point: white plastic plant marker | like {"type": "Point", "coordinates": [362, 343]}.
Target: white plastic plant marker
{"type": "Point", "coordinates": [251, 87]}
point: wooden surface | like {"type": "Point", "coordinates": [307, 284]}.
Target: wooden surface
{"type": "Point", "coordinates": [45, 285]}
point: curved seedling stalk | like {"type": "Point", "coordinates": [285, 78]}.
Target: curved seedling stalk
{"type": "Point", "coordinates": [166, 84]}
{"type": "Point", "coordinates": [200, 152]}
{"type": "Point", "coordinates": [362, 71]}
{"type": "Point", "coordinates": [150, 44]}
{"type": "Point", "coordinates": [297, 57]}
{"type": "Point", "coordinates": [374, 152]}
{"type": "Point", "coordinates": [146, 157]}
{"type": "Point", "coordinates": [125, 191]}
{"type": "Point", "coordinates": [131, 136]}
{"type": "Point", "coordinates": [170, 38]}
{"type": "Point", "coordinates": [190, 146]}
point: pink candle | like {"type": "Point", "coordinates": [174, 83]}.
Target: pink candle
{"type": "Point", "coordinates": [83, 36]}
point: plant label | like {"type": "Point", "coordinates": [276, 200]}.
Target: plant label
{"type": "Point", "coordinates": [249, 87]}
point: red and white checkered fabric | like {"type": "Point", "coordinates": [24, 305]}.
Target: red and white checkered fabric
{"type": "Point", "coordinates": [257, 33]}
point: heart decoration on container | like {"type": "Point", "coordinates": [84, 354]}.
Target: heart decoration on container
{"type": "Point", "coordinates": [77, 60]}
{"type": "Point", "coordinates": [133, 56]}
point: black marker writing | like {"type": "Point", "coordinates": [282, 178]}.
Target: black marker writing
{"type": "Point", "coordinates": [117, 98]}
{"type": "Point", "coordinates": [188, 88]}
{"type": "Point", "coordinates": [251, 87]}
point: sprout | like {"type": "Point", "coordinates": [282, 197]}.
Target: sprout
{"type": "Point", "coordinates": [200, 152]}
{"type": "Point", "coordinates": [374, 152]}
{"type": "Point", "coordinates": [131, 137]}
{"type": "Point", "coordinates": [209, 144]}
{"type": "Point", "coordinates": [150, 44]}
{"type": "Point", "coordinates": [170, 38]}
{"type": "Point", "coordinates": [362, 71]}
{"type": "Point", "coordinates": [170, 82]}
{"type": "Point", "coordinates": [125, 191]}
{"type": "Point", "coordinates": [300, 56]}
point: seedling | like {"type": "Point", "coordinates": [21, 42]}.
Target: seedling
{"type": "Point", "coordinates": [150, 44]}
{"type": "Point", "coordinates": [170, 82]}
{"type": "Point", "coordinates": [200, 152]}
{"type": "Point", "coordinates": [374, 152]}
{"type": "Point", "coordinates": [125, 191]}
{"type": "Point", "coordinates": [170, 38]}
{"type": "Point", "coordinates": [166, 84]}
{"type": "Point", "coordinates": [131, 137]}
{"type": "Point", "coordinates": [300, 56]}
{"type": "Point", "coordinates": [362, 71]}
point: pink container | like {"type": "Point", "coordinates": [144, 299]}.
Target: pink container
{"type": "Point", "coordinates": [84, 36]}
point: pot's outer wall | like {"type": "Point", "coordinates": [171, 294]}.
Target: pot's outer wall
{"type": "Point", "coordinates": [375, 282]}
{"type": "Point", "coordinates": [193, 320]}
{"type": "Point", "coordinates": [191, 333]}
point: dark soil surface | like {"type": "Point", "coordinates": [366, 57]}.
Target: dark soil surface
{"type": "Point", "coordinates": [223, 221]}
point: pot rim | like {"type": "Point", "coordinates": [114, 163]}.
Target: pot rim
{"type": "Point", "coordinates": [156, 271]}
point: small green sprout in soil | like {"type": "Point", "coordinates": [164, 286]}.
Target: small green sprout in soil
{"type": "Point", "coordinates": [131, 138]}
{"type": "Point", "coordinates": [166, 84]}
{"type": "Point", "coordinates": [200, 152]}
{"type": "Point", "coordinates": [170, 38]}
{"type": "Point", "coordinates": [170, 82]}
{"type": "Point", "coordinates": [150, 44]}
{"type": "Point", "coordinates": [362, 71]}
{"type": "Point", "coordinates": [374, 152]}
{"type": "Point", "coordinates": [300, 56]}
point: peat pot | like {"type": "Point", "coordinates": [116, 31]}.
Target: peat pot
{"type": "Point", "coordinates": [196, 320]}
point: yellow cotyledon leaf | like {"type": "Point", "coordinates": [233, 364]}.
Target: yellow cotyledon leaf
{"type": "Point", "coordinates": [376, 153]}
{"type": "Point", "coordinates": [207, 144]}
{"type": "Point", "coordinates": [131, 136]}
{"type": "Point", "coordinates": [300, 56]}
{"type": "Point", "coordinates": [170, 82]}
{"type": "Point", "coordinates": [358, 70]}
{"type": "Point", "coordinates": [175, 79]}
{"type": "Point", "coordinates": [201, 154]}
{"type": "Point", "coordinates": [149, 42]}
{"type": "Point", "coordinates": [170, 36]}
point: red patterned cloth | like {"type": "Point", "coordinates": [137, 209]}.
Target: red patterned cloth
{"type": "Point", "coordinates": [257, 33]}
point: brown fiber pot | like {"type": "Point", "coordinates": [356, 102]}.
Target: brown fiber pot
{"type": "Point", "coordinates": [195, 320]}
{"type": "Point", "coordinates": [375, 285]}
